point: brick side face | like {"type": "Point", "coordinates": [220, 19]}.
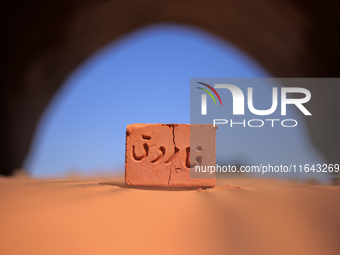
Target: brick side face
{"type": "Point", "coordinates": [159, 154]}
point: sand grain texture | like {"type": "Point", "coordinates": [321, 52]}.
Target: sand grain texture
{"type": "Point", "coordinates": [103, 216]}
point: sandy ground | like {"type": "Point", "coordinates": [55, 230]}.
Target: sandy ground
{"type": "Point", "coordinates": [103, 216]}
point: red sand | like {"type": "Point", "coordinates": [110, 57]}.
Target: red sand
{"type": "Point", "coordinates": [239, 216]}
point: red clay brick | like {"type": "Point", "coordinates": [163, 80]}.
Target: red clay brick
{"type": "Point", "coordinates": [159, 154]}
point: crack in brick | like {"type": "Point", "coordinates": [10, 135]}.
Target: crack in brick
{"type": "Point", "coordinates": [173, 138]}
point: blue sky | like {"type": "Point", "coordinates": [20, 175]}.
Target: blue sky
{"type": "Point", "coordinates": [141, 78]}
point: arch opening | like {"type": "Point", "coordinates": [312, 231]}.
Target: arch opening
{"type": "Point", "coordinates": [141, 78]}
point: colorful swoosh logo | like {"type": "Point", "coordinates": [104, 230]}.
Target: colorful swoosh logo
{"type": "Point", "coordinates": [208, 92]}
